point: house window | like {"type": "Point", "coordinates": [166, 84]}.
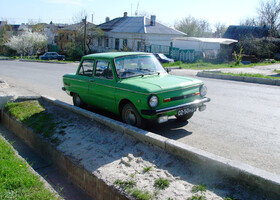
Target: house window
{"type": "Point", "coordinates": [117, 43]}
{"type": "Point", "coordinates": [124, 43]}
{"type": "Point", "coordinates": [107, 42]}
{"type": "Point", "coordinates": [138, 46]}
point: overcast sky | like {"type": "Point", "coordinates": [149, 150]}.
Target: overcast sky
{"type": "Point", "coordinates": [167, 11]}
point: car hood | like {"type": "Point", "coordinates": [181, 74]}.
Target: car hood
{"type": "Point", "coordinates": [158, 83]}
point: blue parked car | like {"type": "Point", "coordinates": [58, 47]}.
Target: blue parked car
{"type": "Point", "coordinates": [52, 56]}
{"type": "Point", "coordinates": [162, 58]}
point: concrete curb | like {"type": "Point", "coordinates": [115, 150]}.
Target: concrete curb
{"type": "Point", "coordinates": [216, 75]}
{"type": "Point", "coordinates": [24, 60]}
{"type": "Point", "coordinates": [267, 182]}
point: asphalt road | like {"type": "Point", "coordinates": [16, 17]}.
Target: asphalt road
{"type": "Point", "coordinates": [240, 123]}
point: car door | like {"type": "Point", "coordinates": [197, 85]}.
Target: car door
{"type": "Point", "coordinates": [83, 77]}
{"type": "Point", "coordinates": [102, 86]}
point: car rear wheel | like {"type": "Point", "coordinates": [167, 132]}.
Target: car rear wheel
{"type": "Point", "coordinates": [77, 101]}
{"type": "Point", "coordinates": [131, 116]}
{"type": "Point", "coordinates": [185, 117]}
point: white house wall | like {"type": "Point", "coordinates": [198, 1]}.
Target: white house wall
{"type": "Point", "coordinates": [196, 45]}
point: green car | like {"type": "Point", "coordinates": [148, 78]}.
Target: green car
{"type": "Point", "coordinates": [135, 86]}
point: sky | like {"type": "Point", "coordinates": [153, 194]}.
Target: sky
{"type": "Point", "coordinates": [168, 12]}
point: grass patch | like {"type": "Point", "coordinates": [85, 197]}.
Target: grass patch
{"type": "Point", "coordinates": [204, 66]}
{"type": "Point", "coordinates": [199, 188]}
{"type": "Point", "coordinates": [161, 184]}
{"type": "Point", "coordinates": [252, 75]}
{"type": "Point", "coordinates": [125, 184]}
{"type": "Point", "coordinates": [198, 197]}
{"type": "Point", "coordinates": [147, 169]}
{"type": "Point", "coordinates": [16, 181]}
{"type": "Point", "coordinates": [277, 71]}
{"type": "Point", "coordinates": [34, 115]}
{"type": "Point", "coordinates": [138, 194]}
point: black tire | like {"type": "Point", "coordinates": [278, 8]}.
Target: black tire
{"type": "Point", "coordinates": [77, 101]}
{"type": "Point", "coordinates": [185, 117]}
{"type": "Point", "coordinates": [131, 116]}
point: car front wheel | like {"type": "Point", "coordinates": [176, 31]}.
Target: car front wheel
{"type": "Point", "coordinates": [131, 116]}
{"type": "Point", "coordinates": [185, 117]}
{"type": "Point", "coordinates": [77, 101]}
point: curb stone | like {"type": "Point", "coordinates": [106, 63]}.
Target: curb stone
{"type": "Point", "coordinates": [266, 81]}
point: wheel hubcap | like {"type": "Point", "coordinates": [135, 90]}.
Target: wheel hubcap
{"type": "Point", "coordinates": [130, 117]}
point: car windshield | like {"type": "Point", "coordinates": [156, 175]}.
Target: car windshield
{"type": "Point", "coordinates": [136, 65]}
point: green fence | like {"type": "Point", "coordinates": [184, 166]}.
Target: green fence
{"type": "Point", "coordinates": [184, 55]}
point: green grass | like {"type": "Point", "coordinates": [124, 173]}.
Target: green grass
{"type": "Point", "coordinates": [16, 181]}
{"type": "Point", "coordinates": [147, 169]}
{"type": "Point", "coordinates": [34, 115]}
{"type": "Point", "coordinates": [161, 184]}
{"type": "Point", "coordinates": [251, 75]}
{"type": "Point", "coordinates": [125, 184]}
{"type": "Point", "coordinates": [204, 66]}
{"type": "Point", "coordinates": [198, 197]}
{"type": "Point", "coordinates": [138, 194]}
{"type": "Point", "coordinates": [277, 71]}
{"type": "Point", "coordinates": [199, 188]}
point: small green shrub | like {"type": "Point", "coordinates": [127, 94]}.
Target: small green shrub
{"type": "Point", "coordinates": [161, 183]}
{"type": "Point", "coordinates": [198, 197]}
{"type": "Point", "coordinates": [147, 169]}
{"type": "Point", "coordinates": [138, 194]}
{"type": "Point", "coordinates": [125, 184]}
{"type": "Point", "coordinates": [199, 188]}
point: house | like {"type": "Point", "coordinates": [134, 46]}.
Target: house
{"type": "Point", "coordinates": [67, 34]}
{"type": "Point", "coordinates": [241, 32]}
{"type": "Point", "coordinates": [137, 33]}
{"type": "Point", "coordinates": [206, 47]}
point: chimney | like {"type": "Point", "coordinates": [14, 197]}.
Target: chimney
{"type": "Point", "coordinates": [125, 14]}
{"type": "Point", "coordinates": [107, 19]}
{"type": "Point", "coordinates": [153, 20]}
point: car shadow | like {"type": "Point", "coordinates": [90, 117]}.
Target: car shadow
{"type": "Point", "coordinates": [173, 129]}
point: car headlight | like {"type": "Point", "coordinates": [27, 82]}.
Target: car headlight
{"type": "Point", "coordinates": [153, 101]}
{"type": "Point", "coordinates": [203, 90]}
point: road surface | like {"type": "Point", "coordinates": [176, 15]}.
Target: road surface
{"type": "Point", "coordinates": [240, 123]}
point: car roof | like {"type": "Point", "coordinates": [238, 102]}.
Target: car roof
{"type": "Point", "coordinates": [112, 55]}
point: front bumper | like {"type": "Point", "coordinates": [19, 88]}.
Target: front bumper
{"type": "Point", "coordinates": [194, 104]}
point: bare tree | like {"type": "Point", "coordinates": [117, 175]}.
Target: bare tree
{"type": "Point", "coordinates": [79, 16]}
{"type": "Point", "coordinates": [269, 14]}
{"type": "Point", "coordinates": [194, 27]}
{"type": "Point", "coordinates": [220, 30]}
{"type": "Point", "coordinates": [250, 21]}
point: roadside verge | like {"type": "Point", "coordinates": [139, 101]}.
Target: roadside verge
{"type": "Point", "coordinates": [256, 178]}
{"type": "Point", "coordinates": [218, 75]}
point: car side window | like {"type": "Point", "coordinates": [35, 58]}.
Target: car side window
{"type": "Point", "coordinates": [86, 68]}
{"type": "Point", "coordinates": [103, 69]}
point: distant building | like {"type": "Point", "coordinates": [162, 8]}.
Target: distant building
{"type": "Point", "coordinates": [241, 32]}
{"type": "Point", "coordinates": [135, 34]}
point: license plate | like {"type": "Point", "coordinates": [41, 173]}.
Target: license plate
{"type": "Point", "coordinates": [185, 111]}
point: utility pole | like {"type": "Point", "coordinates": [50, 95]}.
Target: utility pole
{"type": "Point", "coordinates": [85, 36]}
